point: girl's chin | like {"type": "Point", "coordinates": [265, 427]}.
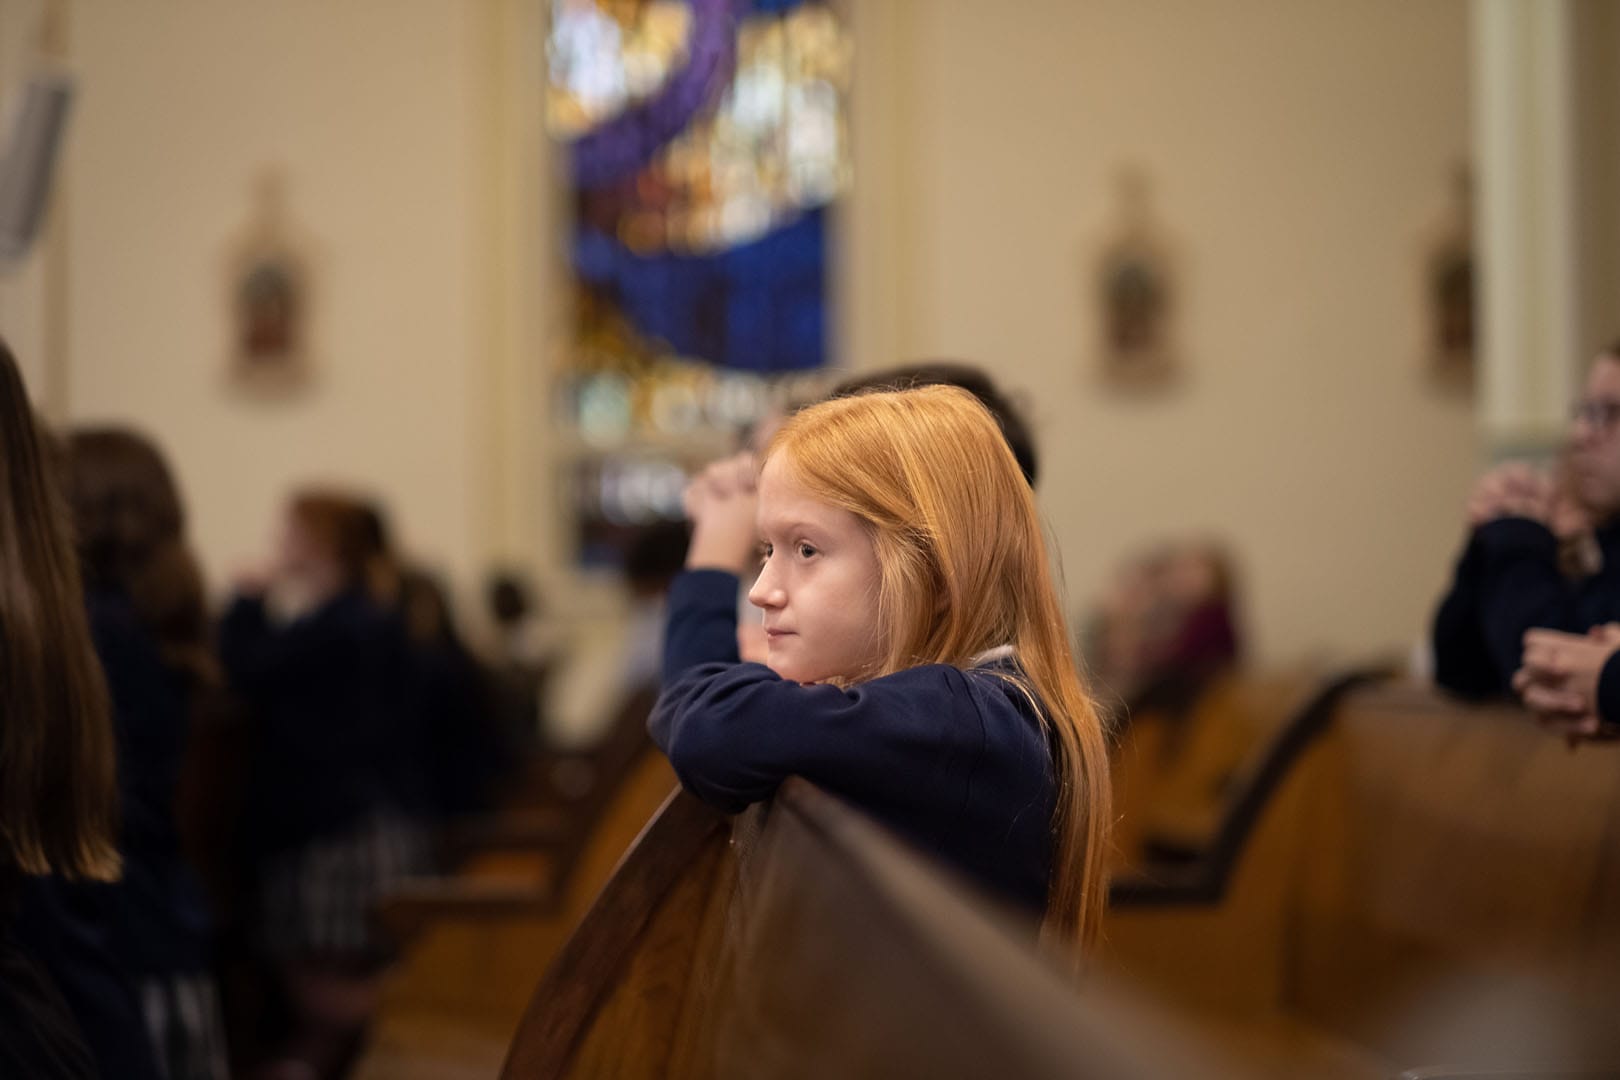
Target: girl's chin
{"type": "Point", "coordinates": [795, 673]}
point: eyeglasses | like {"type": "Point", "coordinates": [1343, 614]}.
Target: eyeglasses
{"type": "Point", "coordinates": [1600, 415]}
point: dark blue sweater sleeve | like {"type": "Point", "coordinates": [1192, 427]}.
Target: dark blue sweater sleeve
{"type": "Point", "coordinates": [734, 732]}
{"type": "Point", "coordinates": [1462, 662]}
{"type": "Point", "coordinates": [1608, 691]}
{"type": "Point", "coordinates": [1521, 589]}
{"type": "Point", "coordinates": [702, 623]}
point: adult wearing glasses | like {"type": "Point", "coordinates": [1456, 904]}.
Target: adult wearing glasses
{"type": "Point", "coordinates": [1542, 554]}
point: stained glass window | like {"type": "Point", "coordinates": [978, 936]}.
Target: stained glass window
{"type": "Point", "coordinates": [707, 144]}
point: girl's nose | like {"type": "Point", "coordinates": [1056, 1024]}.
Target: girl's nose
{"type": "Point", "coordinates": [766, 593]}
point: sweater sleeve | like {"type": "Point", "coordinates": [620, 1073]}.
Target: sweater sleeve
{"type": "Point", "coordinates": [734, 732]}
{"type": "Point", "coordinates": [1520, 589]}
{"type": "Point", "coordinates": [1462, 663]}
{"type": "Point", "coordinates": [702, 624]}
{"type": "Point", "coordinates": [1608, 691]}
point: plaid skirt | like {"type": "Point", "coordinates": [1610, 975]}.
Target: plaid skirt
{"type": "Point", "coordinates": [188, 1031]}
{"type": "Point", "coordinates": [321, 898]}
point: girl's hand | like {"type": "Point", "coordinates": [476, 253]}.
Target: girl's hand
{"type": "Point", "coordinates": [721, 501]}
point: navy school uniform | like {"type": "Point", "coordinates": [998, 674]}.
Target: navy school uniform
{"type": "Point", "coordinates": [161, 923]}
{"type": "Point", "coordinates": [131, 957]}
{"type": "Point", "coordinates": [1508, 581]}
{"type": "Point", "coordinates": [328, 816]}
{"type": "Point", "coordinates": [39, 1035]}
{"type": "Point", "coordinates": [66, 929]}
{"type": "Point", "coordinates": [954, 760]}
{"type": "Point", "coordinates": [328, 688]}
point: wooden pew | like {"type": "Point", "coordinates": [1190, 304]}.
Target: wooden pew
{"type": "Point", "coordinates": [479, 944]}
{"type": "Point", "coordinates": [1176, 772]}
{"type": "Point", "coordinates": [538, 837]}
{"type": "Point", "coordinates": [1254, 790]}
{"type": "Point", "coordinates": [807, 942]}
{"type": "Point", "coordinates": [1420, 883]}
{"type": "Point", "coordinates": [1476, 886]}
{"type": "Point", "coordinates": [520, 860]}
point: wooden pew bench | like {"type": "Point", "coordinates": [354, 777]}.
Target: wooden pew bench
{"type": "Point", "coordinates": [1421, 882]}
{"type": "Point", "coordinates": [1174, 771]}
{"type": "Point", "coordinates": [542, 829]}
{"type": "Point", "coordinates": [478, 943]}
{"type": "Point", "coordinates": [806, 942]}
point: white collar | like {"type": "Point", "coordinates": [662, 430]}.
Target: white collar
{"type": "Point", "coordinates": [992, 656]}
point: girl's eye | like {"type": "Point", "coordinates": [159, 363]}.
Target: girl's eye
{"type": "Point", "coordinates": [805, 551]}
{"type": "Point", "coordinates": [764, 552]}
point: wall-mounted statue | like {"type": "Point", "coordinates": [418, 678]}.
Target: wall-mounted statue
{"type": "Point", "coordinates": [1136, 294]}
{"type": "Point", "coordinates": [270, 297]}
{"type": "Point", "coordinates": [1450, 283]}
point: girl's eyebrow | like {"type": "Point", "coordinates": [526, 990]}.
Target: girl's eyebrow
{"type": "Point", "coordinates": [794, 526]}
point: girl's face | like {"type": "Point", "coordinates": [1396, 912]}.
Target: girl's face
{"type": "Point", "coordinates": [297, 549]}
{"type": "Point", "coordinates": [305, 564]}
{"type": "Point", "coordinates": [818, 586]}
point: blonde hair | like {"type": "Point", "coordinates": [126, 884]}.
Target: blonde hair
{"type": "Point", "coordinates": [964, 568]}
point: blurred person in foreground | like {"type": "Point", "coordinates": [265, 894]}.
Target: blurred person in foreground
{"type": "Point", "coordinates": [58, 786]}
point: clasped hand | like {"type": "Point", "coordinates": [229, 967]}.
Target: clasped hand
{"type": "Point", "coordinates": [1558, 681]}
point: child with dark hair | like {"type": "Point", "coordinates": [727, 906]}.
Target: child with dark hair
{"type": "Point", "coordinates": [331, 692]}
{"type": "Point", "coordinates": [968, 377]}
{"type": "Point", "coordinates": [449, 753]}
{"type": "Point", "coordinates": [149, 619]}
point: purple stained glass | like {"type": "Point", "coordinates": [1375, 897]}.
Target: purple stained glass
{"type": "Point", "coordinates": [619, 148]}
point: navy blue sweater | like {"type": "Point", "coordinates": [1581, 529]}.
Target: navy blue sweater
{"type": "Point", "coordinates": [95, 939]}
{"type": "Point", "coordinates": [39, 1035]}
{"type": "Point", "coordinates": [66, 927]}
{"type": "Point", "coordinates": [1508, 582]}
{"type": "Point", "coordinates": [330, 691]}
{"type": "Point", "coordinates": [954, 761]}
{"type": "Point", "coordinates": [160, 917]}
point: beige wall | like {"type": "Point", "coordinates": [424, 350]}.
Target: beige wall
{"type": "Point", "coordinates": [1597, 91]}
{"type": "Point", "coordinates": [22, 287]}
{"type": "Point", "coordinates": [1300, 155]}
{"type": "Point", "coordinates": [373, 111]}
